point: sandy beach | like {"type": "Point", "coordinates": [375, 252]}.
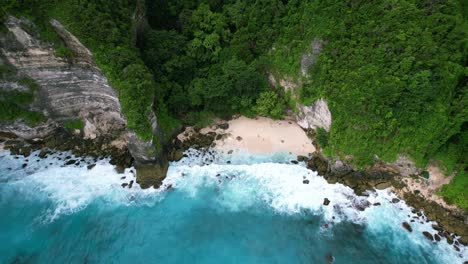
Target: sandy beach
{"type": "Point", "coordinates": [263, 136]}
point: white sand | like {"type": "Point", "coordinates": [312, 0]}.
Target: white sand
{"type": "Point", "coordinates": [263, 135]}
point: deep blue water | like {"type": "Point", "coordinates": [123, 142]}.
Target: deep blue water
{"type": "Point", "coordinates": [254, 210]}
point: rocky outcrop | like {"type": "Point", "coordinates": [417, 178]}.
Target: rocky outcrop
{"type": "Point", "coordinates": [314, 116]}
{"type": "Point", "coordinates": [67, 90]}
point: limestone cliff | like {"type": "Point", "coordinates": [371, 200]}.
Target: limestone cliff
{"type": "Point", "coordinates": [71, 88]}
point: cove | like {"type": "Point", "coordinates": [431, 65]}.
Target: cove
{"type": "Point", "coordinates": [240, 208]}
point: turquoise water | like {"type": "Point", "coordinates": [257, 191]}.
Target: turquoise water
{"type": "Point", "coordinates": [220, 209]}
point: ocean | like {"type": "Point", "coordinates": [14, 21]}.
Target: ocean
{"type": "Point", "coordinates": [212, 208]}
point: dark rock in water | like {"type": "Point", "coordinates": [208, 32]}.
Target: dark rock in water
{"type": "Point", "coordinates": [330, 258]}
{"type": "Point", "coordinates": [412, 221]}
{"type": "Point", "coordinates": [239, 138]}
{"type": "Point", "coordinates": [428, 235]}
{"type": "Point", "coordinates": [223, 126]}
{"type": "Point", "coordinates": [43, 153]}
{"type": "Point", "coordinates": [456, 248]}
{"type": "Point", "coordinates": [417, 191]}
{"type": "Point", "coordinates": [131, 184]}
{"type": "Point", "coordinates": [361, 206]}
{"type": "Point", "coordinates": [318, 163]}
{"type": "Point", "coordinates": [169, 187]}
{"type": "Point", "coordinates": [407, 226]}
{"type": "Point", "coordinates": [436, 227]}
{"type": "Point", "coordinates": [437, 237]}
{"type": "Point", "coordinates": [228, 162]}
{"type": "Point", "coordinates": [230, 151]}
{"type": "Point", "coordinates": [302, 158]}
{"type": "Point", "coordinates": [70, 162]}
{"type": "Point", "coordinates": [305, 181]}
{"type": "Point", "coordinates": [395, 200]}
{"type": "Point", "coordinates": [294, 162]}
{"type": "Point", "coordinates": [151, 174]}
{"type": "Point", "coordinates": [376, 204]}
{"type": "Point", "coordinates": [124, 185]}
{"type": "Point", "coordinates": [68, 157]}
{"type": "Point", "coordinates": [123, 178]}
{"type": "Point", "coordinates": [24, 165]}
{"type": "Point", "coordinates": [91, 166]}
{"type": "Point", "coordinates": [326, 201]}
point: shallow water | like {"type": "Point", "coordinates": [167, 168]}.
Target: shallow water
{"type": "Point", "coordinates": [240, 208]}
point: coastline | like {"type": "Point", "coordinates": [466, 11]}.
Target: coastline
{"type": "Point", "coordinates": [252, 135]}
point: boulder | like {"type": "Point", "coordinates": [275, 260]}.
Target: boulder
{"type": "Point", "coordinates": [407, 226]}
{"type": "Point", "coordinates": [428, 235]}
{"type": "Point", "coordinates": [326, 202]}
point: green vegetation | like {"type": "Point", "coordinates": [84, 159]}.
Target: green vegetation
{"type": "Point", "coordinates": [393, 72]}
{"type": "Point", "coordinates": [74, 124]}
{"type": "Point", "coordinates": [14, 105]}
{"type": "Point", "coordinates": [457, 191]}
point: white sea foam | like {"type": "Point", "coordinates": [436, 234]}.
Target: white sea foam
{"type": "Point", "coordinates": [284, 187]}
{"type": "Point", "coordinates": [73, 187]}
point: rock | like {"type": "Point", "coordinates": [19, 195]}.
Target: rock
{"type": "Point", "coordinates": [89, 167]}
{"type": "Point", "coordinates": [314, 116]}
{"type": "Point", "coordinates": [70, 162]}
{"type": "Point", "coordinates": [428, 235]}
{"type": "Point", "coordinates": [294, 162]}
{"type": "Point", "coordinates": [395, 200]}
{"type": "Point", "coordinates": [176, 155]}
{"type": "Point", "coordinates": [219, 136]}
{"type": "Point", "coordinates": [223, 126]}
{"type": "Point", "coordinates": [124, 185]}
{"type": "Point", "coordinates": [376, 204]}
{"type": "Point", "coordinates": [24, 165]}
{"type": "Point", "coordinates": [43, 153]}
{"type": "Point", "coordinates": [305, 181]}
{"type": "Point", "coordinates": [436, 227]}
{"type": "Point", "coordinates": [151, 174]}
{"type": "Point", "coordinates": [230, 151]}
{"type": "Point", "coordinates": [318, 163]}
{"type": "Point", "coordinates": [130, 184]}
{"type": "Point", "coordinates": [326, 201]}
{"type": "Point", "coordinates": [383, 185]}
{"type": "Point", "coordinates": [407, 226]}
{"type": "Point", "coordinates": [123, 178]}
{"type": "Point", "coordinates": [239, 138]}
{"type": "Point", "coordinates": [437, 237]}
{"type": "Point", "coordinates": [302, 158]}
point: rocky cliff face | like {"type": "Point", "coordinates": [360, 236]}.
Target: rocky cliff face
{"type": "Point", "coordinates": [314, 116]}
{"type": "Point", "coordinates": [70, 89]}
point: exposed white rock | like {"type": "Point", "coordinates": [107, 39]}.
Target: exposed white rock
{"type": "Point", "coordinates": [314, 116]}
{"type": "Point", "coordinates": [67, 90]}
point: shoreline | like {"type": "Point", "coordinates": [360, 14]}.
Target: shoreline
{"type": "Point", "coordinates": [418, 192]}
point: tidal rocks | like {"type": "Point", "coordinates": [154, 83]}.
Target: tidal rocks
{"type": "Point", "coordinates": [326, 201]}
{"type": "Point", "coordinates": [318, 163]}
{"type": "Point", "coordinates": [151, 174]}
{"type": "Point", "coordinates": [124, 185]}
{"type": "Point", "coordinates": [223, 126]}
{"type": "Point", "coordinates": [70, 162]}
{"type": "Point", "coordinates": [239, 138]}
{"type": "Point", "coordinates": [395, 200]}
{"type": "Point", "coordinates": [428, 235]}
{"type": "Point", "coordinates": [305, 181]}
{"type": "Point", "coordinates": [407, 226]}
{"type": "Point", "coordinates": [91, 166]}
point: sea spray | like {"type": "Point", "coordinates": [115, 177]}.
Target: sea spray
{"type": "Point", "coordinates": [240, 207]}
